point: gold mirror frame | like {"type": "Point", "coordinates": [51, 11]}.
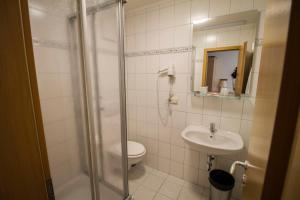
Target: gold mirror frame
{"type": "Point", "coordinates": [240, 68]}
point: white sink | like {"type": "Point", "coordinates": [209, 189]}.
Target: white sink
{"type": "Point", "coordinates": [222, 143]}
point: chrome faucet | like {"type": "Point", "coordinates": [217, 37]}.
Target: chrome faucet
{"type": "Point", "coordinates": [213, 130]}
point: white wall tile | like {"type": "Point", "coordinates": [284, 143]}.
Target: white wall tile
{"type": "Point", "coordinates": [131, 97]}
{"type": "Point", "coordinates": [176, 169]}
{"type": "Point", "coordinates": [130, 43]}
{"type": "Point", "coordinates": [232, 108]}
{"type": "Point", "coordinates": [130, 65]}
{"type": "Point", "coordinates": [141, 82]}
{"type": "Point", "coordinates": [140, 23]}
{"type": "Point", "coordinates": [49, 85]}
{"type": "Point", "coordinates": [152, 115]}
{"type": "Point", "coordinates": [152, 64]}
{"type": "Point", "coordinates": [140, 64]}
{"type": "Point", "coordinates": [194, 104]}
{"type": "Point", "coordinates": [240, 5]}
{"type": "Point", "coordinates": [203, 178]}
{"type": "Point", "coordinates": [248, 108]}
{"type": "Point", "coordinates": [182, 62]}
{"type": "Point", "coordinates": [140, 42]}
{"type": "Point", "coordinates": [176, 138]}
{"type": "Point", "coordinates": [177, 154]}
{"type": "Point", "coordinates": [259, 4]}
{"type": "Point", "coordinates": [191, 157]}
{"type": "Point", "coordinates": [181, 105]}
{"type": "Point", "coordinates": [51, 110]}
{"type": "Point", "coordinates": [141, 128]}
{"type": "Point", "coordinates": [211, 39]}
{"type": "Point", "coordinates": [152, 146]}
{"type": "Point", "coordinates": [178, 119]}
{"type": "Point", "coordinates": [181, 83]}
{"type": "Point", "coordinates": [230, 124]}
{"type": "Point", "coordinates": [164, 133]}
{"type": "Point", "coordinates": [166, 38]}
{"type": "Point", "coordinates": [228, 38]}
{"type": "Point", "coordinates": [182, 36]}
{"type": "Point", "coordinates": [131, 82]}
{"type": "Point", "coordinates": [164, 165]}
{"type": "Point", "coordinates": [199, 9]}
{"type": "Point", "coordinates": [182, 13]}
{"type": "Point", "coordinates": [194, 119]}
{"type": "Point", "coordinates": [151, 99]}
{"type": "Point", "coordinates": [141, 98]}
{"type": "Point", "coordinates": [245, 131]}
{"type": "Point", "coordinates": [54, 133]}
{"type": "Point", "coordinates": [151, 82]}
{"type": "Point", "coordinates": [152, 40]}
{"type": "Point", "coordinates": [152, 130]}
{"type": "Point", "coordinates": [152, 160]}
{"type": "Point", "coordinates": [141, 113]}
{"type": "Point", "coordinates": [207, 119]}
{"type": "Point", "coordinates": [190, 174]}
{"type": "Point", "coordinates": [218, 8]}
{"type": "Point", "coordinates": [164, 150]}
{"type": "Point", "coordinates": [165, 60]}
{"type": "Point", "coordinates": [212, 106]}
{"type": "Point", "coordinates": [130, 25]}
{"type": "Point", "coordinates": [168, 25]}
{"type": "Point", "coordinates": [152, 20]}
{"type": "Point", "coordinates": [166, 16]}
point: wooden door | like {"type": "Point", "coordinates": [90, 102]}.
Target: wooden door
{"type": "Point", "coordinates": [277, 103]}
{"type": "Point", "coordinates": [210, 72]}
{"type": "Point", "coordinates": [24, 168]}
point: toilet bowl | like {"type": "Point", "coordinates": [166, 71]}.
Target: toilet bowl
{"type": "Point", "coordinates": [136, 152]}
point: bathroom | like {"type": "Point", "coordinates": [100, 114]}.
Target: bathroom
{"type": "Point", "coordinates": [147, 99]}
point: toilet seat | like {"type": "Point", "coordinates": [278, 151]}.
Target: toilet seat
{"type": "Point", "coordinates": [134, 149]}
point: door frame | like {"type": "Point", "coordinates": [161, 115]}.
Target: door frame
{"type": "Point", "coordinates": [286, 114]}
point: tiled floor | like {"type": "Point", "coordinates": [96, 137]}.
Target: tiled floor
{"type": "Point", "coordinates": [146, 183]}
{"type": "Point", "coordinates": [79, 189]}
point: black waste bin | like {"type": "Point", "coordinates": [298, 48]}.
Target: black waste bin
{"type": "Point", "coordinates": [221, 184]}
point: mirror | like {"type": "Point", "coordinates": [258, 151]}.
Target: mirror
{"type": "Point", "coordinates": [223, 49]}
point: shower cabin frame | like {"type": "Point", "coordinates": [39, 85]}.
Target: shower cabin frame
{"type": "Point", "coordinates": [83, 11]}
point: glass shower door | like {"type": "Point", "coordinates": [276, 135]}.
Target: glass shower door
{"type": "Point", "coordinates": [59, 75]}
{"type": "Point", "coordinates": [78, 49]}
{"type": "Point", "coordinates": [106, 72]}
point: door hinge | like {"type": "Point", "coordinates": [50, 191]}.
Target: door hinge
{"type": "Point", "coordinates": [50, 190]}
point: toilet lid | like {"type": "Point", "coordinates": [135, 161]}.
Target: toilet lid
{"type": "Point", "coordinates": [133, 148]}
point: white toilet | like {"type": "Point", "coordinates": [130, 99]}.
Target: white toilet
{"type": "Point", "coordinates": [136, 152]}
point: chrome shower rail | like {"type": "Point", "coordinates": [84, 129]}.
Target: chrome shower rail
{"type": "Point", "coordinates": [122, 90]}
{"type": "Point", "coordinates": [82, 22]}
{"type": "Point", "coordinates": [96, 8]}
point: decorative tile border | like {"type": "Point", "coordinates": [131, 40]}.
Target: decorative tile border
{"type": "Point", "coordinates": [50, 43]}
{"type": "Point", "coordinates": [159, 51]}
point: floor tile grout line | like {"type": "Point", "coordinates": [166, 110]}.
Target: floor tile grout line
{"type": "Point", "coordinates": [151, 171]}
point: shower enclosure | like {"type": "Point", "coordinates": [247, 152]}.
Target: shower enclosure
{"type": "Point", "coordinates": [79, 55]}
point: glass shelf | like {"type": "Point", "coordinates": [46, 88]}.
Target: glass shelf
{"type": "Point", "coordinates": [229, 96]}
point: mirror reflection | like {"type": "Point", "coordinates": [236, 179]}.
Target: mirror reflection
{"type": "Point", "coordinates": [223, 50]}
